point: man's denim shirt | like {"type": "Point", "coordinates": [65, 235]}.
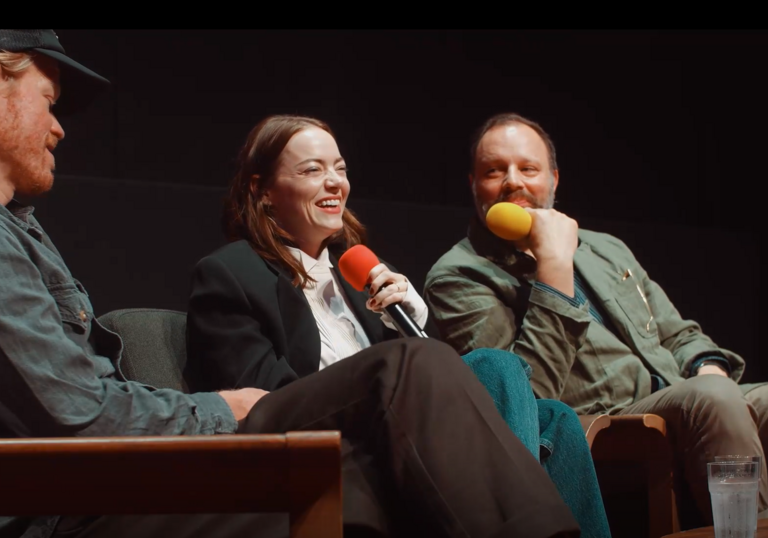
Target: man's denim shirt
{"type": "Point", "coordinates": [60, 369]}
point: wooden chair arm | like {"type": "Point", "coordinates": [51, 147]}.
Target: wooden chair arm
{"type": "Point", "coordinates": [633, 459]}
{"type": "Point", "coordinates": [173, 475]}
{"type": "Point", "coordinates": [592, 424]}
{"type": "Point", "coordinates": [647, 420]}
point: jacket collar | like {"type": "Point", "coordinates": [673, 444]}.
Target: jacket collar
{"type": "Point", "coordinates": [21, 216]}
{"type": "Point", "coordinates": [308, 261]}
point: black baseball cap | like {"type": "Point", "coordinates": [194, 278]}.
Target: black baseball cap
{"type": "Point", "coordinates": [79, 85]}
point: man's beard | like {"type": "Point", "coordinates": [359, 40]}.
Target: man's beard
{"type": "Point", "coordinates": [27, 165]}
{"type": "Point", "coordinates": [31, 180]}
{"type": "Point", "coordinates": [520, 194]}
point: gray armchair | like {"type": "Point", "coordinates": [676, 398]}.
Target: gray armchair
{"type": "Point", "coordinates": [155, 347]}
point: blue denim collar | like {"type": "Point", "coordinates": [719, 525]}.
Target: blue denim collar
{"type": "Point", "coordinates": [21, 216]}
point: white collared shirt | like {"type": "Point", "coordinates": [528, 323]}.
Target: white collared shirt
{"type": "Point", "coordinates": [341, 334]}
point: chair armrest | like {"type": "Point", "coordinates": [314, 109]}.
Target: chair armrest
{"type": "Point", "coordinates": [592, 424]}
{"type": "Point", "coordinates": [633, 459]}
{"type": "Point", "coordinates": [170, 475]}
{"type": "Point", "coordinates": [654, 422]}
{"type": "Point", "coordinates": [632, 438]}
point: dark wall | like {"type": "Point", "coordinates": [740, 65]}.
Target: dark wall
{"type": "Point", "coordinates": [648, 124]}
{"type": "Point", "coordinates": [659, 138]}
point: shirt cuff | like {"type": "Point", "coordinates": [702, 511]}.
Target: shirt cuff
{"type": "Point", "coordinates": [215, 415]}
{"type": "Point", "coordinates": [413, 305]}
{"type": "Point", "coordinates": [717, 359]}
{"type": "Point", "coordinates": [573, 301]}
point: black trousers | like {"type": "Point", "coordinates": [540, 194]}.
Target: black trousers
{"type": "Point", "coordinates": [425, 453]}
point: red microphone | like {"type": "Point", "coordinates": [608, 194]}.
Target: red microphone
{"type": "Point", "coordinates": [355, 266]}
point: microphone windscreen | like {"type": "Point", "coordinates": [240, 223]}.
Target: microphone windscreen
{"type": "Point", "coordinates": [508, 221]}
{"type": "Point", "coordinates": [355, 264]}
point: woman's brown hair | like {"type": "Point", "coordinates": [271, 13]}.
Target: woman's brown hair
{"type": "Point", "coordinates": [247, 216]}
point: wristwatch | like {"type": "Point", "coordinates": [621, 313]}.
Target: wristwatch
{"type": "Point", "coordinates": [702, 363]}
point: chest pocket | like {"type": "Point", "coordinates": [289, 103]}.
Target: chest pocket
{"type": "Point", "coordinates": [74, 306]}
{"type": "Point", "coordinates": [632, 300]}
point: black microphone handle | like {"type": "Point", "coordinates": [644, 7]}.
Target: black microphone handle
{"type": "Point", "coordinates": [404, 323]}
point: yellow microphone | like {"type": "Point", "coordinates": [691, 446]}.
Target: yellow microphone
{"type": "Point", "coordinates": [509, 221]}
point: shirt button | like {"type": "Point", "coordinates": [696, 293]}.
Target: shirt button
{"type": "Point", "coordinates": [83, 315]}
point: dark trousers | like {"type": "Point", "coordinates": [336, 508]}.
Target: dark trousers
{"type": "Point", "coordinates": [425, 453]}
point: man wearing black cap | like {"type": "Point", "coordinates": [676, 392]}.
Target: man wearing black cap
{"type": "Point", "coordinates": [465, 476]}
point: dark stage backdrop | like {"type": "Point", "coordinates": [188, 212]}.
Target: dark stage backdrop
{"type": "Point", "coordinates": [659, 137]}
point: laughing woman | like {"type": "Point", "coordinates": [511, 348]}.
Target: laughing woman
{"type": "Point", "coordinates": [270, 310]}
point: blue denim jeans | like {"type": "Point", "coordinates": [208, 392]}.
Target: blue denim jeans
{"type": "Point", "coordinates": [550, 430]}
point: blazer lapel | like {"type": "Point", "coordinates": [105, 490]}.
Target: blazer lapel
{"type": "Point", "coordinates": [301, 334]}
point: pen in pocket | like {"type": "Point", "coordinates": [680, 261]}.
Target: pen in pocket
{"type": "Point", "coordinates": [628, 274]}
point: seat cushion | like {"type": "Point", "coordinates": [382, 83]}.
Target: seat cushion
{"type": "Point", "coordinates": [154, 341]}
